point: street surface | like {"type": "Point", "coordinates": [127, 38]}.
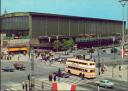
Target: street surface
{"type": "Point", "coordinates": [43, 70]}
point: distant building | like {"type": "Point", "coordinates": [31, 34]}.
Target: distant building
{"type": "Point", "coordinates": [84, 29]}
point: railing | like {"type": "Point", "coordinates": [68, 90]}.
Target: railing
{"type": "Point", "coordinates": [22, 37]}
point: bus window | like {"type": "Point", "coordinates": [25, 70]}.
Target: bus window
{"type": "Point", "coordinates": [81, 69]}
{"type": "Point", "coordinates": [84, 63]}
{"type": "Point", "coordinates": [92, 70]}
{"type": "Point", "coordinates": [85, 70]}
{"type": "Point", "coordinates": [91, 63]}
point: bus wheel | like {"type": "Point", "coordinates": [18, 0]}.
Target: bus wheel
{"type": "Point", "coordinates": [80, 75]}
{"type": "Point", "coordinates": [69, 71]}
{"type": "Point", "coordinates": [83, 75]}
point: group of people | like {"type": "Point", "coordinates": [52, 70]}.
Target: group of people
{"type": "Point", "coordinates": [6, 57]}
{"type": "Point", "coordinates": [47, 56]}
{"type": "Point", "coordinates": [54, 77]}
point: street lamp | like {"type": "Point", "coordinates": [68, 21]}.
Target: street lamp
{"type": "Point", "coordinates": [123, 3]}
{"type": "Point", "coordinates": [113, 39]}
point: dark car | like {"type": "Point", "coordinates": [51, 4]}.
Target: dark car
{"type": "Point", "coordinates": [19, 66]}
{"type": "Point", "coordinates": [63, 75]}
{"type": "Point", "coordinates": [66, 75]}
{"type": "Point", "coordinates": [8, 69]}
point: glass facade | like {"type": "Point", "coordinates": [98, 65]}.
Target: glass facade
{"type": "Point", "coordinates": [15, 25]}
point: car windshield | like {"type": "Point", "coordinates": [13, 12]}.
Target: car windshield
{"type": "Point", "coordinates": [107, 81]}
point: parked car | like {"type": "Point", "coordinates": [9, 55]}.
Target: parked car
{"type": "Point", "coordinates": [19, 66]}
{"type": "Point", "coordinates": [8, 69]}
{"type": "Point", "coordinates": [105, 83]}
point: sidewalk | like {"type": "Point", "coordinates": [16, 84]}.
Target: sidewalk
{"type": "Point", "coordinates": [61, 85]}
{"type": "Point", "coordinates": [19, 57]}
{"type": "Point", "coordinates": [117, 75]}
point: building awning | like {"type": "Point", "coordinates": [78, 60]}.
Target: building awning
{"type": "Point", "coordinates": [18, 49]}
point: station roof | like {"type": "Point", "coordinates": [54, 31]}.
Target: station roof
{"type": "Point", "coordinates": [55, 15]}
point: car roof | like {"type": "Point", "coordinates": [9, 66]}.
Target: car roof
{"type": "Point", "coordinates": [105, 80]}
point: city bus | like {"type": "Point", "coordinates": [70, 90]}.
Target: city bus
{"type": "Point", "coordinates": [82, 68]}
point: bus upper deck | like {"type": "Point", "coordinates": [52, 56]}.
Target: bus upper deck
{"type": "Point", "coordinates": [81, 63]}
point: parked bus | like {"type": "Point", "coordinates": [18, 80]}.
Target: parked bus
{"type": "Point", "coordinates": [82, 68]}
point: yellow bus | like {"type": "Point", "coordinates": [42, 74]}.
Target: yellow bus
{"type": "Point", "coordinates": [82, 68]}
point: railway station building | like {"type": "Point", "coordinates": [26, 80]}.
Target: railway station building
{"type": "Point", "coordinates": [86, 32]}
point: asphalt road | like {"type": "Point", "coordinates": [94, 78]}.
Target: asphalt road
{"type": "Point", "coordinates": [42, 70]}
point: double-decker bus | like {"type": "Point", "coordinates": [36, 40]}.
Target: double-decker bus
{"type": "Point", "coordinates": [82, 68]}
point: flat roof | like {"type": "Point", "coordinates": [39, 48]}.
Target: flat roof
{"type": "Point", "coordinates": [54, 15]}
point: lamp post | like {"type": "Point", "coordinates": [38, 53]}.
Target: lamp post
{"type": "Point", "coordinates": [98, 54]}
{"type": "Point", "coordinates": [123, 29]}
{"type": "Point", "coordinates": [123, 3]}
{"type": "Point", "coordinates": [32, 68]}
{"type": "Point", "coordinates": [114, 56]}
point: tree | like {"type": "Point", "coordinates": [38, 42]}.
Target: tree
{"type": "Point", "coordinates": [67, 44]}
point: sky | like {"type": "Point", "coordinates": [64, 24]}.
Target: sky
{"type": "Point", "coordinates": [106, 9]}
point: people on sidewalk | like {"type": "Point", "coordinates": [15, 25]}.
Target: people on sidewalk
{"type": "Point", "coordinates": [50, 78]}
{"type": "Point", "coordinates": [119, 67]}
{"type": "Point", "coordinates": [54, 78]}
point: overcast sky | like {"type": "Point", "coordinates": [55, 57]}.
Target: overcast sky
{"type": "Point", "coordinates": [106, 9]}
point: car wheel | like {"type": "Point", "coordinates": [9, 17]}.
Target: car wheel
{"type": "Point", "coordinates": [97, 84]}
{"type": "Point", "coordinates": [83, 75]}
{"type": "Point", "coordinates": [80, 74]}
{"type": "Point", "coordinates": [105, 86]}
{"type": "Point", "coordinates": [69, 71]}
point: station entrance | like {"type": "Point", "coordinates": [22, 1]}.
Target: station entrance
{"type": "Point", "coordinates": [18, 50]}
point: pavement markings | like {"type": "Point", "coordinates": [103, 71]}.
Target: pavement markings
{"type": "Point", "coordinates": [14, 86]}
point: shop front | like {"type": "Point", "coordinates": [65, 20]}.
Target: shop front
{"type": "Point", "coordinates": [17, 50]}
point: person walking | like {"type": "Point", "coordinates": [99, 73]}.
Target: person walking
{"type": "Point", "coordinates": [82, 76]}
{"type": "Point", "coordinates": [50, 78]}
{"type": "Point", "coordinates": [119, 68]}
{"type": "Point", "coordinates": [23, 86]}
{"type": "Point", "coordinates": [59, 72]}
{"type": "Point", "coordinates": [102, 70]}
{"type": "Point", "coordinates": [42, 85]}
{"type": "Point", "coordinates": [26, 86]}
{"type": "Point", "coordinates": [54, 78]}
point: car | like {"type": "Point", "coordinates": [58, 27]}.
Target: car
{"type": "Point", "coordinates": [66, 75]}
{"type": "Point", "coordinates": [19, 66]}
{"type": "Point", "coordinates": [105, 83]}
{"type": "Point", "coordinates": [63, 75]}
{"type": "Point", "coordinates": [8, 69]}
{"type": "Point", "coordinates": [62, 60]}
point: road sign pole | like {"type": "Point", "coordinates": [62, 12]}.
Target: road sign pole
{"type": "Point", "coordinates": [98, 88]}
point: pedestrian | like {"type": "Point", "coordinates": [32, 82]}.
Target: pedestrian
{"type": "Point", "coordinates": [54, 78]}
{"type": "Point", "coordinates": [42, 85]}
{"type": "Point", "coordinates": [18, 58]}
{"type": "Point", "coordinates": [119, 68]}
{"type": "Point", "coordinates": [59, 72]}
{"type": "Point", "coordinates": [50, 77]}
{"type": "Point", "coordinates": [82, 76]}
{"type": "Point", "coordinates": [23, 85]}
{"type": "Point", "coordinates": [26, 86]}
{"type": "Point", "coordinates": [102, 70]}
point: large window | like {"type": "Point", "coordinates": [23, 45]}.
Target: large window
{"type": "Point", "coordinates": [15, 23]}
